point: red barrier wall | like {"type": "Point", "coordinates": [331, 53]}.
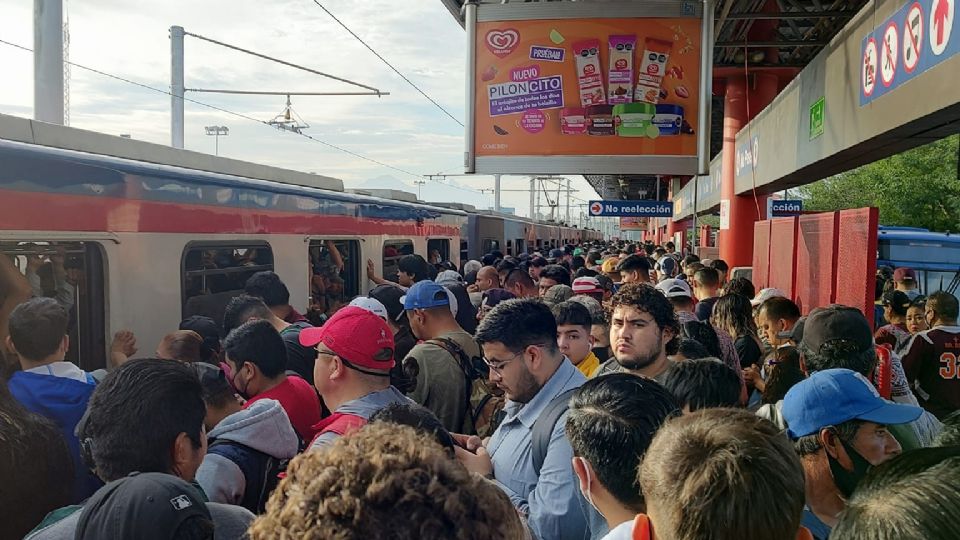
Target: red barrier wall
{"type": "Point", "coordinates": [816, 259]}
{"type": "Point", "coordinates": [761, 254]}
{"type": "Point", "coordinates": [783, 254]}
{"type": "Point", "coordinates": [856, 273]}
{"type": "Point", "coordinates": [819, 258]}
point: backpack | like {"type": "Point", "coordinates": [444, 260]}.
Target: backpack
{"type": "Point", "coordinates": [484, 402]}
{"type": "Point", "coordinates": [542, 430]}
{"type": "Point", "coordinates": [261, 471]}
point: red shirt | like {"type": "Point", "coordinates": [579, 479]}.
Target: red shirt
{"type": "Point", "coordinates": [932, 362]}
{"type": "Point", "coordinates": [300, 402]}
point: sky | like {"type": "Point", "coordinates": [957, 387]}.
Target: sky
{"type": "Point", "coordinates": [403, 130]}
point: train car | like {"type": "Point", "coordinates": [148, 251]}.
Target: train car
{"type": "Point", "coordinates": [129, 244]}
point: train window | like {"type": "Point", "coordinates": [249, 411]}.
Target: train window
{"type": "Point", "coordinates": [464, 252]}
{"type": "Point", "coordinates": [438, 250]}
{"type": "Point", "coordinates": [334, 276]}
{"type": "Point", "coordinates": [490, 244]}
{"type": "Point", "coordinates": [213, 273]}
{"type": "Point", "coordinates": [392, 251]}
{"type": "Point", "coordinates": [73, 274]}
{"type": "Point", "coordinates": [521, 246]}
{"type": "Point", "coordinates": [509, 247]}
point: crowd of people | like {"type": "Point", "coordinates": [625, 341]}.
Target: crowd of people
{"type": "Point", "coordinates": [602, 391]}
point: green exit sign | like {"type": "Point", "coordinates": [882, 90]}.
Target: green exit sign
{"type": "Point", "coordinates": [816, 119]}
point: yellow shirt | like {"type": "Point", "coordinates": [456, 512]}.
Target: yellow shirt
{"type": "Point", "coordinates": [589, 366]}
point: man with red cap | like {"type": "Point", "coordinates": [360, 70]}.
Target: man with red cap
{"type": "Point", "coordinates": [352, 373]}
{"type": "Point", "coordinates": [906, 282]}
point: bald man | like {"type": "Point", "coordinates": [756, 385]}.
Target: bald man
{"type": "Point", "coordinates": [487, 278]}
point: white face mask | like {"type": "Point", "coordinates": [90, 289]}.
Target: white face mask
{"type": "Point", "coordinates": [587, 494]}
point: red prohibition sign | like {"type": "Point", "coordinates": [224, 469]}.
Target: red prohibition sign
{"type": "Point", "coordinates": [889, 53]}
{"type": "Point", "coordinates": [869, 68]}
{"type": "Point", "coordinates": [912, 37]}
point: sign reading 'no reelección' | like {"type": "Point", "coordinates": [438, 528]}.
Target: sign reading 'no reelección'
{"type": "Point", "coordinates": [631, 208]}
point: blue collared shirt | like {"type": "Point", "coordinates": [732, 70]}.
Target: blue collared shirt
{"type": "Point", "coordinates": [551, 501]}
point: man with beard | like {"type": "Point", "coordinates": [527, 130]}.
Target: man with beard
{"type": "Point", "coordinates": [643, 328]}
{"type": "Point", "coordinates": [519, 341]}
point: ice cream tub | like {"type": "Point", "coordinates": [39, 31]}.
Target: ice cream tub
{"type": "Point", "coordinates": [600, 120]}
{"type": "Point", "coordinates": [635, 120]}
{"type": "Point", "coordinates": [573, 120]}
{"type": "Point", "coordinates": [668, 119]}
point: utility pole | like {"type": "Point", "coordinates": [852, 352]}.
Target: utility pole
{"type": "Point", "coordinates": [176, 86]}
{"type": "Point", "coordinates": [568, 202]}
{"type": "Point", "coordinates": [496, 192]}
{"type": "Point", "coordinates": [533, 197]}
{"type": "Point", "coordinates": [48, 61]}
{"type": "Point", "coordinates": [419, 184]}
{"type": "Point", "coordinates": [216, 132]}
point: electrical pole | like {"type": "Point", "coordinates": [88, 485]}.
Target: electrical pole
{"type": "Point", "coordinates": [48, 61]}
{"type": "Point", "coordinates": [496, 192]}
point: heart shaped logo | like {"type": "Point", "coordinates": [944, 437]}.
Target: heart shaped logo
{"type": "Point", "coordinates": [502, 42]}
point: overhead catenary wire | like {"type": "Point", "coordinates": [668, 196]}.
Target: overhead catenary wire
{"type": "Point", "coordinates": [232, 113]}
{"type": "Point", "coordinates": [384, 60]}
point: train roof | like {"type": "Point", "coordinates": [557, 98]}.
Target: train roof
{"type": "Point", "coordinates": [917, 234]}
{"type": "Point", "coordinates": [20, 136]}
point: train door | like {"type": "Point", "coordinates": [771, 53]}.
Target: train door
{"type": "Point", "coordinates": [335, 274]}
{"type": "Point", "coordinates": [72, 273]}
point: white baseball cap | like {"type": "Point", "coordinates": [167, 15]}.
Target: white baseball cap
{"type": "Point", "coordinates": [372, 305]}
{"type": "Point", "coordinates": [766, 294]}
{"type": "Point", "coordinates": [672, 288]}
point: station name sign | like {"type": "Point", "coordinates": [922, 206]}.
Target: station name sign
{"type": "Point", "coordinates": [648, 209]}
{"type": "Point", "coordinates": [787, 207]}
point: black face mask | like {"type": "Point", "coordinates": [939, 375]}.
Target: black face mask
{"type": "Point", "coordinates": [602, 353]}
{"type": "Point", "coordinates": [846, 481]}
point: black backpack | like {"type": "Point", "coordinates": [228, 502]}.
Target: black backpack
{"type": "Point", "coordinates": [260, 470]}
{"type": "Point", "coordinates": [484, 403]}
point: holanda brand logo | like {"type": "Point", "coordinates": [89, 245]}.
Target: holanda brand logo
{"type": "Point", "coordinates": [502, 42]}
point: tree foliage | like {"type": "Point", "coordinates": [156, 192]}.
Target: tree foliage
{"type": "Point", "coordinates": [916, 188]}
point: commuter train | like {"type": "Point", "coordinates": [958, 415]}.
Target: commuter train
{"type": "Point", "coordinates": [145, 235]}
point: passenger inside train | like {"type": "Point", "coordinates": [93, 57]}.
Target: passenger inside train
{"type": "Point", "coordinates": [435, 397]}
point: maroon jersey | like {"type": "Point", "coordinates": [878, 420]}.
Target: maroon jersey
{"type": "Point", "coordinates": [932, 365]}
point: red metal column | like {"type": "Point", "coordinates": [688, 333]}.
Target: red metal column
{"type": "Point", "coordinates": [736, 241]}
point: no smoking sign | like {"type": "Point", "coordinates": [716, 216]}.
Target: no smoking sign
{"type": "Point", "coordinates": [912, 37]}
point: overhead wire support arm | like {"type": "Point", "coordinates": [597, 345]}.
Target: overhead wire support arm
{"type": "Point", "coordinates": [376, 91]}
{"type": "Point", "coordinates": [282, 93]}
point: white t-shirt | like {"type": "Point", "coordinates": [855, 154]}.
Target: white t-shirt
{"type": "Point", "coordinates": [623, 531]}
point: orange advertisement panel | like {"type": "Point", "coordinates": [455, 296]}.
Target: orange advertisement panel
{"type": "Point", "coordinates": [587, 87]}
{"type": "Point", "coordinates": [633, 223]}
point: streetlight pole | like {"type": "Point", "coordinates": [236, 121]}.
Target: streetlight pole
{"type": "Point", "coordinates": [419, 184]}
{"type": "Point", "coordinates": [216, 132]}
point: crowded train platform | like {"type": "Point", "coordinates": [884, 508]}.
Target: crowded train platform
{"type": "Point", "coordinates": [596, 390]}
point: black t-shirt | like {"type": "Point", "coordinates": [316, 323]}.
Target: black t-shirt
{"type": "Point", "coordinates": [705, 308]}
{"type": "Point", "coordinates": [748, 351]}
{"type": "Point", "coordinates": [300, 359]}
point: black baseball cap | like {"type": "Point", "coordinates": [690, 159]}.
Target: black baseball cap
{"type": "Point", "coordinates": [146, 506]}
{"type": "Point", "coordinates": [389, 296]}
{"type": "Point", "coordinates": [837, 324]}
{"type": "Point", "coordinates": [794, 334]}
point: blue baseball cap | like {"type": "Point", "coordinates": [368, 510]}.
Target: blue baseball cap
{"type": "Point", "coordinates": [425, 295]}
{"type": "Point", "coordinates": [834, 396]}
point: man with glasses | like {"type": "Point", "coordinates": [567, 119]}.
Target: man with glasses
{"type": "Point", "coordinates": [352, 373]}
{"type": "Point", "coordinates": [519, 341]}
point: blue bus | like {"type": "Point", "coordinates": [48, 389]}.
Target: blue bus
{"type": "Point", "coordinates": [934, 256]}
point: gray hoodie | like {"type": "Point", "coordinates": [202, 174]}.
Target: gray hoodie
{"type": "Point", "coordinates": [263, 426]}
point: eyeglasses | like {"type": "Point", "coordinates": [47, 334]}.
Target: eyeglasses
{"type": "Point", "coordinates": [501, 364]}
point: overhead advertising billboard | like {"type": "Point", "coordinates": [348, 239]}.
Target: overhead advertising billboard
{"type": "Point", "coordinates": [633, 223]}
{"type": "Point", "coordinates": [566, 94]}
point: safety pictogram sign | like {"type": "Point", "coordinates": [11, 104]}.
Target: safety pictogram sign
{"type": "Point", "coordinates": [868, 71]}
{"type": "Point", "coordinates": [941, 24]}
{"type": "Point", "coordinates": [912, 37]}
{"type": "Point", "coordinates": [889, 53]}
